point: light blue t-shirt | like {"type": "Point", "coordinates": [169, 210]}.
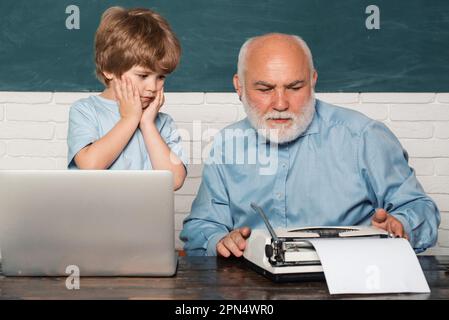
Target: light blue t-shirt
{"type": "Point", "coordinates": [337, 172]}
{"type": "Point", "coordinates": [93, 117]}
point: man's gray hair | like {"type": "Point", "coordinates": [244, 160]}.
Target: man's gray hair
{"type": "Point", "coordinates": [244, 49]}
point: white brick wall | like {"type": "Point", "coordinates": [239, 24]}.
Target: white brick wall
{"type": "Point", "coordinates": [33, 130]}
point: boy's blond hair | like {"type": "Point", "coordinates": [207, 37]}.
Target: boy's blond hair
{"type": "Point", "coordinates": [134, 37]}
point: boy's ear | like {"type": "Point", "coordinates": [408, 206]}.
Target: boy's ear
{"type": "Point", "coordinates": [108, 75]}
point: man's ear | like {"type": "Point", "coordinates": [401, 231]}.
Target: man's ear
{"type": "Point", "coordinates": [314, 78]}
{"type": "Point", "coordinates": [237, 85]}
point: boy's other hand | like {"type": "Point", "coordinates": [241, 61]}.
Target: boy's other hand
{"type": "Point", "coordinates": [150, 113]}
{"type": "Point", "coordinates": [128, 98]}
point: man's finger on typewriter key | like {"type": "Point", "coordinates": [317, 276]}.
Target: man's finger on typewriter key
{"type": "Point", "coordinates": [396, 228]}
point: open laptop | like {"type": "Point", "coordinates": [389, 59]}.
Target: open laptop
{"type": "Point", "coordinates": [105, 222]}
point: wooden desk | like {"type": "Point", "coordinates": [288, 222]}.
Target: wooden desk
{"type": "Point", "coordinates": [208, 278]}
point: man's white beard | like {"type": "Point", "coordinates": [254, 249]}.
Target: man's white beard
{"type": "Point", "coordinates": [281, 133]}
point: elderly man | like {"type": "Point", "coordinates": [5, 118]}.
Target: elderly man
{"type": "Point", "coordinates": [334, 166]}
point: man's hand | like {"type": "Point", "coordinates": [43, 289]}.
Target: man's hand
{"type": "Point", "coordinates": [150, 112]}
{"type": "Point", "coordinates": [233, 243]}
{"type": "Point", "coordinates": [128, 98]}
{"type": "Point", "coordinates": [383, 220]}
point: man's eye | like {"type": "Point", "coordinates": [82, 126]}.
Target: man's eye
{"type": "Point", "coordinates": [295, 88]}
{"type": "Point", "coordinates": [264, 89]}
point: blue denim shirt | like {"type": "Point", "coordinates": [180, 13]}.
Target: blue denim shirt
{"type": "Point", "coordinates": [337, 172]}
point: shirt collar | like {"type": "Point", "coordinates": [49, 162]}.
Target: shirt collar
{"type": "Point", "coordinates": [314, 125]}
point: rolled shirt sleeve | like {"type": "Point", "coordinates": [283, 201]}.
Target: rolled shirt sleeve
{"type": "Point", "coordinates": [393, 185]}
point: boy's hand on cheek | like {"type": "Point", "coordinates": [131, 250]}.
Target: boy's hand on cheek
{"type": "Point", "coordinates": [128, 99]}
{"type": "Point", "coordinates": [150, 113]}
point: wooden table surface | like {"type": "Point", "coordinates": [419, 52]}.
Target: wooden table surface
{"type": "Point", "coordinates": [207, 278]}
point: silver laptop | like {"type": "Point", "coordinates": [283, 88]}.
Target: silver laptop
{"type": "Point", "coordinates": [106, 223]}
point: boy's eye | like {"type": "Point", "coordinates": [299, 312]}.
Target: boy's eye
{"type": "Point", "coordinates": [144, 76]}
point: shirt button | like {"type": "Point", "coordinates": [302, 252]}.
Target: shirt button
{"type": "Point", "coordinates": [284, 165]}
{"type": "Point", "coordinates": [279, 195]}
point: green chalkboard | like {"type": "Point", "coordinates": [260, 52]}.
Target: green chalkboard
{"type": "Point", "coordinates": [410, 51]}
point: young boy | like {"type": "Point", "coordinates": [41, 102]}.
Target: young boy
{"type": "Point", "coordinates": [122, 128]}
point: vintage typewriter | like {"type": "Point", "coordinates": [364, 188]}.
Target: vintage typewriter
{"type": "Point", "coordinates": [287, 255]}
